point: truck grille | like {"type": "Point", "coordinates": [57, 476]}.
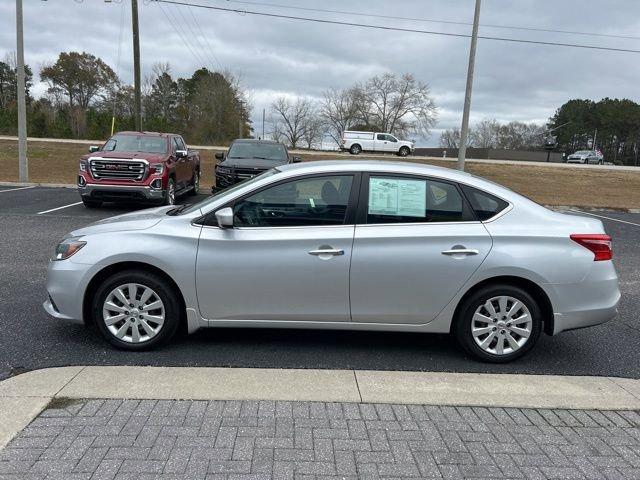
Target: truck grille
{"type": "Point", "coordinates": [244, 173]}
{"type": "Point", "coordinates": [118, 169]}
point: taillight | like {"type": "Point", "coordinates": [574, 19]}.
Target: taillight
{"type": "Point", "coordinates": [598, 243]}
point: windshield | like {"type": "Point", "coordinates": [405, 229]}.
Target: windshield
{"type": "Point", "coordinates": [266, 151]}
{"type": "Point", "coordinates": [202, 204]}
{"type": "Point", "coordinates": [582, 152]}
{"type": "Point", "coordinates": [136, 143]}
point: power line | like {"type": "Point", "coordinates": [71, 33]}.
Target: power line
{"type": "Point", "coordinates": [182, 38]}
{"type": "Point", "coordinates": [206, 39]}
{"type": "Point", "coordinates": [430, 20]}
{"type": "Point", "coordinates": [398, 29]}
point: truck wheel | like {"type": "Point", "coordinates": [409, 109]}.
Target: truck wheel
{"type": "Point", "coordinates": [498, 323]}
{"type": "Point", "coordinates": [91, 203]}
{"type": "Point", "coordinates": [404, 151]}
{"type": "Point", "coordinates": [170, 195]}
{"type": "Point", "coordinates": [195, 183]}
{"type": "Point", "coordinates": [355, 149]}
{"type": "Point", "coordinates": [136, 310]}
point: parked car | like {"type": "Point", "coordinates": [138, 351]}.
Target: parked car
{"type": "Point", "coordinates": [585, 157]}
{"type": "Point", "coordinates": [342, 245]}
{"type": "Point", "coordinates": [357, 142]}
{"type": "Point", "coordinates": [247, 158]}
{"type": "Point", "coordinates": [144, 167]}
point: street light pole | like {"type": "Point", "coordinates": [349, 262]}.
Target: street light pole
{"type": "Point", "coordinates": [464, 131]}
{"type": "Point", "coordinates": [23, 167]}
{"type": "Point", "coordinates": [136, 66]}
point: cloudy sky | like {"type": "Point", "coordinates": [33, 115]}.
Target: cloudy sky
{"type": "Point", "coordinates": [276, 56]}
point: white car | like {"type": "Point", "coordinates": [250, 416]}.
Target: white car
{"type": "Point", "coordinates": [585, 157]}
{"type": "Point", "coordinates": [357, 142]}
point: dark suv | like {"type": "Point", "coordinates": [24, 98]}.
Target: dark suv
{"type": "Point", "coordinates": [247, 158]}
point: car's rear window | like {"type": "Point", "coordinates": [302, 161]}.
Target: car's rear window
{"type": "Point", "coordinates": [484, 204]}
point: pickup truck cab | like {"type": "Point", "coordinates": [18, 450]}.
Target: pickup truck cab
{"type": "Point", "coordinates": [247, 158]}
{"type": "Point", "coordinates": [376, 142]}
{"type": "Point", "coordinates": [144, 167]}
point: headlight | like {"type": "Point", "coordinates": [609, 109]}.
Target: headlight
{"type": "Point", "coordinates": [158, 168]}
{"type": "Point", "coordinates": [223, 169]}
{"type": "Point", "coordinates": [67, 248]}
{"type": "Point", "coordinates": [82, 166]}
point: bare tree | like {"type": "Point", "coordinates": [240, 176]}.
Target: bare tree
{"type": "Point", "coordinates": [451, 138]}
{"type": "Point", "coordinates": [339, 111]}
{"type": "Point", "coordinates": [485, 134]}
{"type": "Point", "coordinates": [400, 105]}
{"type": "Point", "coordinates": [290, 119]}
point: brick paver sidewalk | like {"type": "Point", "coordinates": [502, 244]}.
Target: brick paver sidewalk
{"type": "Point", "coordinates": [106, 439]}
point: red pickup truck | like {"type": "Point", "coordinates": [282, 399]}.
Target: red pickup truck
{"type": "Point", "coordinates": [143, 167]}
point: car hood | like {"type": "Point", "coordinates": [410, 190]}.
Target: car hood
{"type": "Point", "coordinates": [139, 220]}
{"type": "Point", "coordinates": [252, 163]}
{"type": "Point", "coordinates": [150, 157]}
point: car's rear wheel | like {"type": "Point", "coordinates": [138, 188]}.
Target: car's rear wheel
{"type": "Point", "coordinates": [91, 203]}
{"type": "Point", "coordinates": [195, 183]}
{"type": "Point", "coordinates": [355, 149]}
{"type": "Point", "coordinates": [136, 310]}
{"type": "Point", "coordinates": [498, 323]}
{"type": "Point", "coordinates": [404, 151]}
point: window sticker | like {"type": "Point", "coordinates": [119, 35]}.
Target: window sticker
{"type": "Point", "coordinates": [404, 198]}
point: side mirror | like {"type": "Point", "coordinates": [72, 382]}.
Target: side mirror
{"type": "Point", "coordinates": [225, 217]}
{"type": "Point", "coordinates": [181, 154]}
{"type": "Point", "coordinates": [93, 148]}
{"type": "Point", "coordinates": [296, 159]}
{"type": "Point", "coordinates": [220, 156]}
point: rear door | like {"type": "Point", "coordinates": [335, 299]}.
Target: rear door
{"type": "Point", "coordinates": [416, 243]}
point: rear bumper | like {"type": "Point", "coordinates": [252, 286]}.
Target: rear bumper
{"type": "Point", "coordinates": [590, 302]}
{"type": "Point", "coordinates": [114, 193]}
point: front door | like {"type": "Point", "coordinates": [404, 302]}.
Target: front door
{"type": "Point", "coordinates": [287, 257]}
{"type": "Point", "coordinates": [416, 244]}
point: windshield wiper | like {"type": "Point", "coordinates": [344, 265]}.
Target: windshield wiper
{"type": "Point", "coordinates": [177, 210]}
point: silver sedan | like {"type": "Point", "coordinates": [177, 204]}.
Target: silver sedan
{"type": "Point", "coordinates": [357, 245]}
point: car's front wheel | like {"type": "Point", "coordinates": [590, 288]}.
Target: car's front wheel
{"type": "Point", "coordinates": [195, 183]}
{"type": "Point", "coordinates": [136, 310]}
{"type": "Point", "coordinates": [498, 323]}
{"type": "Point", "coordinates": [170, 194]}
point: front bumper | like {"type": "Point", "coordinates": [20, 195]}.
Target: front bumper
{"type": "Point", "coordinates": [66, 284]}
{"type": "Point", "coordinates": [115, 193]}
{"type": "Point", "coordinates": [227, 179]}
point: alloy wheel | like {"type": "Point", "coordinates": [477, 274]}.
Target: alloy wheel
{"type": "Point", "coordinates": [134, 313]}
{"type": "Point", "coordinates": [171, 193]}
{"type": "Point", "coordinates": [502, 325]}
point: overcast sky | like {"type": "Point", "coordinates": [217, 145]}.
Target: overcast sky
{"type": "Point", "coordinates": [275, 56]}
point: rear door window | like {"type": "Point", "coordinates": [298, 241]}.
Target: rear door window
{"type": "Point", "coordinates": [400, 199]}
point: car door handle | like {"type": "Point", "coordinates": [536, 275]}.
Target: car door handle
{"type": "Point", "coordinates": [461, 251]}
{"type": "Point", "coordinates": [326, 251]}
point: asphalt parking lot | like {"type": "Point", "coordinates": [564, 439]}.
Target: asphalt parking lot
{"type": "Point", "coordinates": [34, 219]}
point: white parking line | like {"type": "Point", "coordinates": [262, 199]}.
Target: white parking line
{"type": "Point", "coordinates": [608, 218]}
{"type": "Point", "coordinates": [19, 188]}
{"type": "Point", "coordinates": [60, 208]}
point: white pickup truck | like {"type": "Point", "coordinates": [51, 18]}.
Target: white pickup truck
{"type": "Point", "coordinates": [356, 142]}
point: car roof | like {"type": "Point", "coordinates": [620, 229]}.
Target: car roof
{"type": "Point", "coordinates": [255, 140]}
{"type": "Point", "coordinates": [147, 134]}
{"type": "Point", "coordinates": [365, 165]}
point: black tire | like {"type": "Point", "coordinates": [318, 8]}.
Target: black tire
{"type": "Point", "coordinates": [463, 322]}
{"type": "Point", "coordinates": [404, 151]}
{"type": "Point", "coordinates": [172, 308]}
{"type": "Point", "coordinates": [170, 199]}
{"type": "Point", "coordinates": [195, 183]}
{"type": "Point", "coordinates": [91, 203]}
{"type": "Point", "coordinates": [355, 149]}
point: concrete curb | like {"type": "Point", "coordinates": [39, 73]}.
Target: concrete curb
{"type": "Point", "coordinates": [23, 397]}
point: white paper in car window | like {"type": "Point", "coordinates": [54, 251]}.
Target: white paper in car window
{"type": "Point", "coordinates": [404, 198]}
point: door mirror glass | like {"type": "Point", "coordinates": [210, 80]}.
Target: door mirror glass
{"type": "Point", "coordinates": [296, 159]}
{"type": "Point", "coordinates": [220, 156]}
{"type": "Point", "coordinates": [181, 154]}
{"type": "Point", "coordinates": [93, 148]}
{"type": "Point", "coordinates": [225, 217]}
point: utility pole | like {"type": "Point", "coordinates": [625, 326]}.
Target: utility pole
{"type": "Point", "coordinates": [464, 131]}
{"type": "Point", "coordinates": [23, 167]}
{"type": "Point", "coordinates": [136, 66]}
